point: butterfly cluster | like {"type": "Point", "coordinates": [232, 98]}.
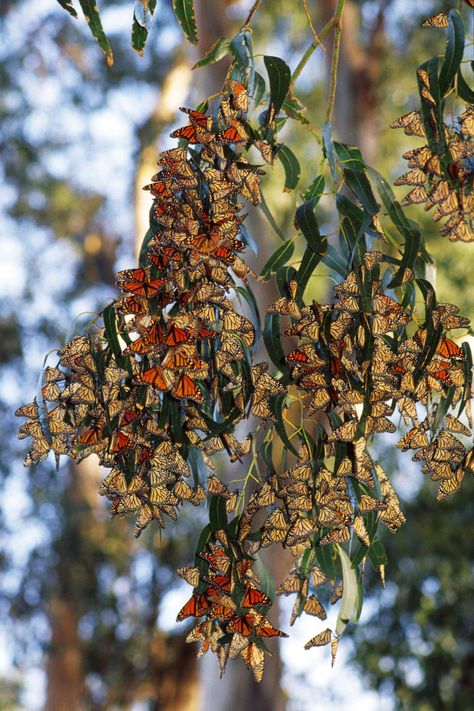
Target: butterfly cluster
{"type": "Point", "coordinates": [175, 362]}
{"type": "Point", "coordinates": [441, 172]}
{"type": "Point", "coordinates": [227, 594]}
{"type": "Point", "coordinates": [442, 180]}
{"type": "Point", "coordinates": [161, 388]}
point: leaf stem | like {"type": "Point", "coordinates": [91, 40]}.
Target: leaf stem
{"type": "Point", "coordinates": [337, 21]}
{"type": "Point", "coordinates": [314, 45]}
{"type": "Point", "coordinates": [317, 39]}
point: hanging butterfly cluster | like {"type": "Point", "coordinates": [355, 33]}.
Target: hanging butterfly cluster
{"type": "Point", "coordinates": [442, 171]}
{"type": "Point", "coordinates": [162, 388]}
{"type": "Point", "coordinates": [145, 393]}
{"type": "Point", "coordinates": [227, 594]}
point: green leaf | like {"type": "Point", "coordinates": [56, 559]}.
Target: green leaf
{"type": "Point", "coordinates": [259, 88]}
{"type": "Point", "coordinates": [142, 259]}
{"type": "Point", "coordinates": [308, 264]}
{"type": "Point", "coordinates": [329, 151]}
{"type": "Point", "coordinates": [279, 75]}
{"type": "Point", "coordinates": [217, 513]}
{"type": "Point", "coordinates": [360, 186]}
{"type": "Point", "coordinates": [246, 292]}
{"type": "Point", "coordinates": [240, 50]}
{"type": "Point", "coordinates": [305, 220]}
{"type": "Point", "coordinates": [316, 189]}
{"type": "Point", "coordinates": [219, 49]}
{"type": "Point", "coordinates": [454, 52]}
{"type": "Point", "coordinates": [110, 326]}
{"type": "Point", "coordinates": [432, 114]}
{"type": "Point", "coordinates": [278, 258]}
{"type": "Point", "coordinates": [377, 554]}
{"type": "Point", "coordinates": [184, 11]}
{"type": "Point", "coordinates": [271, 337]}
{"type": "Point", "coordinates": [142, 14]}
{"type": "Point", "coordinates": [203, 540]}
{"type": "Point", "coordinates": [326, 561]}
{"type": "Point", "coordinates": [276, 405]}
{"type": "Point", "coordinates": [91, 13]}
{"type": "Point", "coordinates": [291, 165]}
{"type": "Point", "coordinates": [68, 6]}
{"type": "Point", "coordinates": [268, 214]}
{"type": "Point", "coordinates": [350, 156]}
{"type": "Point", "coordinates": [267, 584]}
{"type": "Point", "coordinates": [350, 602]}
{"type": "Point", "coordinates": [464, 90]}
{"type": "Point", "coordinates": [334, 261]}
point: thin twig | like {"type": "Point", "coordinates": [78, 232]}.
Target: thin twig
{"type": "Point", "coordinates": [251, 13]}
{"type": "Point", "coordinates": [314, 45]}
{"type": "Point", "coordinates": [317, 40]}
{"type": "Point", "coordinates": [335, 58]}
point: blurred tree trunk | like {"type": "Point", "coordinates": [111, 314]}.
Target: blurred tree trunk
{"type": "Point", "coordinates": [65, 666]}
{"type": "Point", "coordinates": [238, 690]}
{"type": "Point", "coordinates": [360, 65]}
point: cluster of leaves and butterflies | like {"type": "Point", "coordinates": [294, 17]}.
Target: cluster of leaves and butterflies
{"type": "Point", "coordinates": [160, 381]}
{"type": "Point", "coordinates": [442, 171]}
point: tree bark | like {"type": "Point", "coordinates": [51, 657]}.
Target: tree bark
{"type": "Point", "coordinates": [356, 110]}
{"type": "Point", "coordinates": [66, 687]}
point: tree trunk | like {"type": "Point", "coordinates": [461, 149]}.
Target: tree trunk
{"type": "Point", "coordinates": [356, 111]}
{"type": "Point", "coordinates": [65, 664]}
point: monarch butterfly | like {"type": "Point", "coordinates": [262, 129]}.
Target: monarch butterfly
{"type": "Point", "coordinates": [266, 629]}
{"type": "Point", "coordinates": [93, 435]}
{"type": "Point", "coordinates": [193, 134]}
{"type": "Point", "coordinates": [157, 376]}
{"type": "Point", "coordinates": [253, 597]}
{"type": "Point", "coordinates": [244, 625]}
{"type": "Point", "coordinates": [454, 425]}
{"type": "Point", "coordinates": [159, 188]}
{"type": "Point", "coordinates": [217, 559]}
{"type": "Point", "coordinates": [189, 574]}
{"type": "Point", "coordinates": [412, 124]}
{"type": "Point", "coordinates": [312, 606]}
{"type": "Point", "coordinates": [319, 640]}
{"type": "Point", "coordinates": [235, 133]}
{"type": "Point", "coordinates": [439, 21]}
{"type": "Point", "coordinates": [186, 388]}
{"type": "Point", "coordinates": [121, 442]}
{"type": "Point", "coordinates": [215, 486]}
{"type": "Point", "coordinates": [195, 607]}
{"type": "Point", "coordinates": [136, 281]}
{"type": "Point", "coordinates": [449, 349]}
{"type": "Point", "coordinates": [254, 659]}
{"type": "Point", "coordinates": [175, 335]}
{"type": "Point", "coordinates": [239, 95]}
{"type": "Point", "coordinates": [413, 177]}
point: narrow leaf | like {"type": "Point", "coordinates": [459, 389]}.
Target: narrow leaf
{"type": "Point", "coordinates": [142, 14]}
{"type": "Point", "coordinates": [329, 151]}
{"type": "Point", "coordinates": [68, 6]}
{"type": "Point", "coordinates": [184, 11]}
{"type": "Point", "coordinates": [360, 186]}
{"type": "Point", "coordinates": [276, 405]}
{"type": "Point", "coordinates": [291, 165]}
{"type": "Point", "coordinates": [316, 189]}
{"type": "Point", "coordinates": [454, 52]}
{"type": "Point", "coordinates": [271, 337]}
{"type": "Point", "coordinates": [218, 50]}
{"type": "Point", "coordinates": [217, 513]}
{"type": "Point", "coordinates": [278, 258]}
{"type": "Point", "coordinates": [348, 610]}
{"type": "Point", "coordinates": [279, 75]}
{"type": "Point", "coordinates": [91, 13]}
